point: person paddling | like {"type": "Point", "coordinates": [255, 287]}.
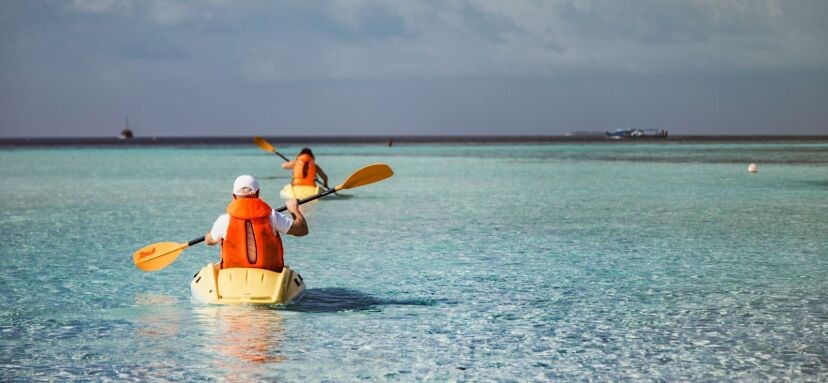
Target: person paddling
{"type": "Point", "coordinates": [305, 170]}
{"type": "Point", "coordinates": [249, 232]}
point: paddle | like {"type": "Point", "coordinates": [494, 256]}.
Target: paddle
{"type": "Point", "coordinates": [160, 255]}
{"type": "Point", "coordinates": [266, 146]}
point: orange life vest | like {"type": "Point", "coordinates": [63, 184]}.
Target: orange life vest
{"type": "Point", "coordinates": [251, 241]}
{"type": "Point", "coordinates": [304, 171]}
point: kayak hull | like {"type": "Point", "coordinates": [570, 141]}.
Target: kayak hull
{"type": "Point", "coordinates": [299, 191]}
{"type": "Point", "coordinates": [213, 285]}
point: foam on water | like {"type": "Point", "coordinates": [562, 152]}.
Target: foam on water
{"type": "Point", "coordinates": [492, 262]}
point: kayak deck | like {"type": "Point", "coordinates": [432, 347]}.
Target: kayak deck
{"type": "Point", "coordinates": [246, 286]}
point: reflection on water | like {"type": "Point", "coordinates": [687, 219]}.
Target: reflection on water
{"type": "Point", "coordinates": [244, 338]}
{"type": "Point", "coordinates": [241, 342]}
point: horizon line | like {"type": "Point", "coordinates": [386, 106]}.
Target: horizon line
{"type": "Point", "coordinates": [388, 139]}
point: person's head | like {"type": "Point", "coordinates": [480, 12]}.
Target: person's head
{"type": "Point", "coordinates": [306, 151]}
{"type": "Point", "coordinates": [245, 187]}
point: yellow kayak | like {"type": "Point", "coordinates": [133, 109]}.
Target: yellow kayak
{"type": "Point", "coordinates": [246, 285]}
{"type": "Point", "coordinates": [299, 191]}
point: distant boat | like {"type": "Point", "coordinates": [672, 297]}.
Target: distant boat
{"type": "Point", "coordinates": [126, 134]}
{"type": "Point", "coordinates": [637, 133]}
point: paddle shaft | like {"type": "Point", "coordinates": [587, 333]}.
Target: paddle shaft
{"type": "Point", "coordinates": [280, 155]}
{"type": "Point", "coordinates": [311, 198]}
{"type": "Point", "coordinates": [281, 209]}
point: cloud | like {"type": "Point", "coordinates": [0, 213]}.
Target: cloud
{"type": "Point", "coordinates": [340, 39]}
{"type": "Point", "coordinates": [669, 36]}
{"type": "Point", "coordinates": [560, 37]}
{"type": "Point", "coordinates": [101, 6]}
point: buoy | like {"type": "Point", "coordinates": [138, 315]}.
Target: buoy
{"type": "Point", "coordinates": [753, 168]}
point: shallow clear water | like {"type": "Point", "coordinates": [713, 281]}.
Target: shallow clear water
{"type": "Point", "coordinates": [606, 262]}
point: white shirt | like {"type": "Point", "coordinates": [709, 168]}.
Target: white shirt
{"type": "Point", "coordinates": [280, 222]}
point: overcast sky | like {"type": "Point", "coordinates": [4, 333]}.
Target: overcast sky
{"type": "Point", "coordinates": [352, 67]}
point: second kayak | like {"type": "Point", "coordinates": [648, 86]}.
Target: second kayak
{"type": "Point", "coordinates": [299, 191]}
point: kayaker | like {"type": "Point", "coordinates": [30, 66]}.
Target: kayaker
{"type": "Point", "coordinates": [249, 231]}
{"type": "Point", "coordinates": [305, 169]}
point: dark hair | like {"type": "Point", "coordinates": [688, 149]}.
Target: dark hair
{"type": "Point", "coordinates": [306, 151]}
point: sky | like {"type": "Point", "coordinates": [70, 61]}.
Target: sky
{"type": "Point", "coordinates": [81, 68]}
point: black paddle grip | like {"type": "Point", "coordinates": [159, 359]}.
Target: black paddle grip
{"type": "Point", "coordinates": [197, 240]}
{"type": "Point", "coordinates": [311, 198]}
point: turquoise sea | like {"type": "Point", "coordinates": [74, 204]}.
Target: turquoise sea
{"type": "Point", "coordinates": [548, 262]}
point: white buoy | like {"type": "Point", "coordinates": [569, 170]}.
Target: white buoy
{"type": "Point", "coordinates": [753, 168]}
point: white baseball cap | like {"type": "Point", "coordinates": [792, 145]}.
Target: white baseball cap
{"type": "Point", "coordinates": [245, 185]}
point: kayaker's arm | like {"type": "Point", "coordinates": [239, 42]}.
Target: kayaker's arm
{"type": "Point", "coordinates": [299, 227]}
{"type": "Point", "coordinates": [324, 176]}
{"type": "Point", "coordinates": [287, 165]}
{"type": "Point", "coordinates": [219, 228]}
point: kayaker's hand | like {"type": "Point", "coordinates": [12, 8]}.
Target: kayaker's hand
{"type": "Point", "coordinates": [299, 227]}
{"type": "Point", "coordinates": [208, 239]}
{"type": "Point", "coordinates": [292, 205]}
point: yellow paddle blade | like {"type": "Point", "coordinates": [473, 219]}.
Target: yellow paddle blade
{"type": "Point", "coordinates": [367, 175]}
{"type": "Point", "coordinates": [262, 143]}
{"type": "Point", "coordinates": [158, 255]}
